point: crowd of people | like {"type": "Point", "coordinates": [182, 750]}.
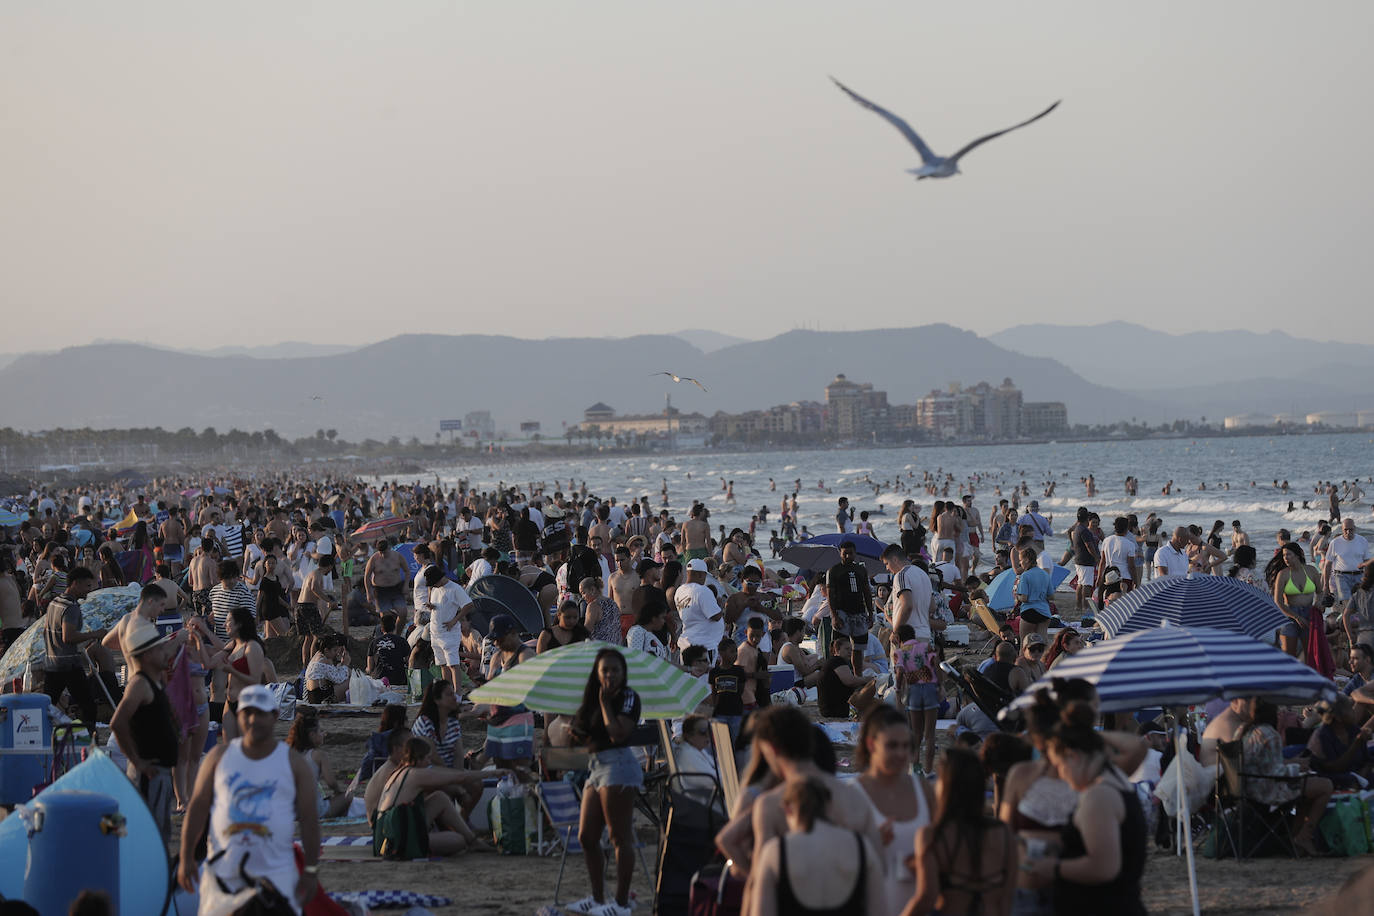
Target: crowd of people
{"type": "Point", "coordinates": [242, 561]}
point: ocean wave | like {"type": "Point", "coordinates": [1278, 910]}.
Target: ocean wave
{"type": "Point", "coordinates": [854, 471]}
{"type": "Point", "coordinates": [789, 467]}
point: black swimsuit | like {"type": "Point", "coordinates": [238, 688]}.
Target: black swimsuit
{"type": "Point", "coordinates": [789, 904]}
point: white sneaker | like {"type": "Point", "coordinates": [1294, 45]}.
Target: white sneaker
{"type": "Point", "coordinates": [611, 908]}
{"type": "Point", "coordinates": [587, 906]}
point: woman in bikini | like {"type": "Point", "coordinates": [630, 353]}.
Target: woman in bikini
{"type": "Point", "coordinates": [1295, 592]}
{"type": "Point", "coordinates": [966, 862]}
{"type": "Point", "coordinates": [245, 662]}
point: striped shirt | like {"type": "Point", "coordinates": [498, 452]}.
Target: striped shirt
{"type": "Point", "coordinates": [223, 601]}
{"type": "Point", "coordinates": [447, 746]}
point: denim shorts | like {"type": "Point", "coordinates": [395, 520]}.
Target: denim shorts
{"type": "Point", "coordinates": [617, 766]}
{"type": "Point", "coordinates": [922, 696]}
{"type": "Point", "coordinates": [1290, 630]}
{"type": "Point", "coordinates": [1342, 584]}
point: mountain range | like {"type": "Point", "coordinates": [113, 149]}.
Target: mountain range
{"type": "Point", "coordinates": [405, 385]}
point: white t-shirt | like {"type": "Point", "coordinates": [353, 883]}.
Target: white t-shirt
{"type": "Point", "coordinates": [448, 599]}
{"type": "Point", "coordinates": [419, 590]}
{"type": "Point", "coordinates": [1346, 556]}
{"type": "Point", "coordinates": [696, 605]}
{"type": "Point", "coordinates": [1118, 549]}
{"type": "Point", "coordinates": [1170, 561]}
{"type": "Point", "coordinates": [913, 579]}
{"type": "Point", "coordinates": [479, 568]}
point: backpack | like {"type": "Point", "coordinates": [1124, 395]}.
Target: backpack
{"type": "Point", "coordinates": [583, 563]}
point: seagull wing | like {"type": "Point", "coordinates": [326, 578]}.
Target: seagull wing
{"type": "Point", "coordinates": [669, 374]}
{"type": "Point", "coordinates": [981, 140]}
{"type": "Point", "coordinates": [912, 137]}
{"type": "Point", "coordinates": [694, 382]}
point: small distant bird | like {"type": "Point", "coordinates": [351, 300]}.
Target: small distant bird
{"type": "Point", "coordinates": [682, 378]}
{"type": "Point", "coordinates": [933, 166]}
{"type": "Point", "coordinates": [316, 397]}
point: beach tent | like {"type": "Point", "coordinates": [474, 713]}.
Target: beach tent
{"type": "Point", "coordinates": [143, 871]}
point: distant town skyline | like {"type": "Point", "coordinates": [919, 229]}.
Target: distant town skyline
{"type": "Point", "coordinates": [206, 175]}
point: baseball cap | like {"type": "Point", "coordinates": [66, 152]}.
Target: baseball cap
{"type": "Point", "coordinates": [1032, 639]}
{"type": "Point", "coordinates": [1033, 504]}
{"type": "Point", "coordinates": [697, 565]}
{"type": "Point", "coordinates": [501, 624]}
{"type": "Point", "coordinates": [645, 565]}
{"type": "Point", "coordinates": [257, 697]}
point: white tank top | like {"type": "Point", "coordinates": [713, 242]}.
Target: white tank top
{"type": "Point", "coordinates": [254, 812]}
{"type": "Point", "coordinates": [899, 881]}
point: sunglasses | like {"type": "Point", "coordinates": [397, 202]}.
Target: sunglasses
{"type": "Point", "coordinates": [1035, 650]}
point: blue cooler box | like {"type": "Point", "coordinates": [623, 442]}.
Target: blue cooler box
{"type": "Point", "coordinates": [25, 745]}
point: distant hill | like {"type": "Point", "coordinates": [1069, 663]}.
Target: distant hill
{"type": "Point", "coordinates": [708, 341]}
{"type": "Point", "coordinates": [1218, 372]}
{"type": "Point", "coordinates": [405, 385]}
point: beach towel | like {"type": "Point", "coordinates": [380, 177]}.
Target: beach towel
{"type": "Point", "coordinates": [1318, 653]}
{"type": "Point", "coordinates": [393, 900]}
{"type": "Point", "coordinates": [182, 696]}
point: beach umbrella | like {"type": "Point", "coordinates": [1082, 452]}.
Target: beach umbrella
{"type": "Point", "coordinates": [11, 519]}
{"type": "Point", "coordinates": [380, 527]}
{"type": "Point", "coordinates": [1185, 666]}
{"type": "Point", "coordinates": [192, 493]}
{"type": "Point", "coordinates": [101, 609]}
{"type": "Point", "coordinates": [553, 682]}
{"type": "Point", "coordinates": [513, 599]}
{"type": "Point", "coordinates": [1002, 589]}
{"type": "Point", "coordinates": [1218, 602]}
{"type": "Point", "coordinates": [823, 551]}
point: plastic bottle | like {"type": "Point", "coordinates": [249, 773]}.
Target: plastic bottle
{"type": "Point", "coordinates": [28, 677]}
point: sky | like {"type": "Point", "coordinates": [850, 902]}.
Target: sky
{"type": "Point", "coordinates": [340, 172]}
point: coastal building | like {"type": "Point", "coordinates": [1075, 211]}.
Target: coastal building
{"type": "Point", "coordinates": [854, 410]}
{"type": "Point", "coordinates": [1338, 419]}
{"type": "Point", "coordinates": [983, 411]}
{"type": "Point", "coordinates": [1044, 418]}
{"type": "Point", "coordinates": [603, 418]}
{"type": "Point", "coordinates": [479, 424]}
{"type": "Point", "coordinates": [1248, 420]}
{"type": "Point", "coordinates": [798, 420]}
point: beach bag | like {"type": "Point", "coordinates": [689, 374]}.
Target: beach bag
{"type": "Point", "coordinates": [285, 692]}
{"type": "Point", "coordinates": [420, 678]}
{"type": "Point", "coordinates": [513, 738]}
{"type": "Point", "coordinates": [514, 823]}
{"type": "Point", "coordinates": [363, 690]}
{"type": "Point", "coordinates": [400, 833]}
{"type": "Point", "coordinates": [1198, 781]}
{"type": "Point", "coordinates": [1345, 827]}
{"type": "Point", "coordinates": [715, 892]}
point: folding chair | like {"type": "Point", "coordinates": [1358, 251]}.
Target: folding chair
{"type": "Point", "coordinates": [725, 764]}
{"type": "Point", "coordinates": [1230, 796]}
{"type": "Point", "coordinates": [562, 805]}
{"type": "Point", "coordinates": [687, 839]}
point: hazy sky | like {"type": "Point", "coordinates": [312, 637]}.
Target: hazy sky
{"type": "Point", "coordinates": [339, 172]}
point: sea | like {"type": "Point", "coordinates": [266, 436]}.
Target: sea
{"type": "Point", "coordinates": [1239, 475]}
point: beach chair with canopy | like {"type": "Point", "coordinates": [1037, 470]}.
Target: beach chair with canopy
{"type": "Point", "coordinates": [687, 840]}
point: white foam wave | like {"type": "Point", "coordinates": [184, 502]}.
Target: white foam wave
{"type": "Point", "coordinates": [789, 467]}
{"type": "Point", "coordinates": [848, 471]}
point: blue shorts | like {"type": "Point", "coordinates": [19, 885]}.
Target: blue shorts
{"type": "Point", "coordinates": [1343, 584]}
{"type": "Point", "coordinates": [617, 766]}
{"type": "Point", "coordinates": [389, 598]}
{"type": "Point", "coordinates": [922, 696]}
{"type": "Point", "coordinates": [1291, 630]}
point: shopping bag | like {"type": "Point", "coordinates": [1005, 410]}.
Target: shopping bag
{"type": "Point", "coordinates": [1345, 827]}
{"type": "Point", "coordinates": [514, 821]}
{"type": "Point", "coordinates": [1198, 781]}
{"type": "Point", "coordinates": [363, 690]}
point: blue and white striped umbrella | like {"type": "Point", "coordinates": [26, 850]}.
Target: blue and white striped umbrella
{"type": "Point", "coordinates": [1183, 666]}
{"type": "Point", "coordinates": [1218, 602]}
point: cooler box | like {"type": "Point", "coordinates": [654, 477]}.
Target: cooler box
{"type": "Point", "coordinates": [956, 634]}
{"type": "Point", "coordinates": [25, 745]}
{"type": "Point", "coordinates": [73, 846]}
{"type": "Point", "coordinates": [168, 623]}
{"type": "Point", "coordinates": [783, 678]}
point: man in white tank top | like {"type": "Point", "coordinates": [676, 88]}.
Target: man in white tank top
{"type": "Point", "coordinates": [260, 788]}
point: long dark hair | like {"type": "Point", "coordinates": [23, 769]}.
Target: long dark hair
{"type": "Point", "coordinates": [963, 793]}
{"type": "Point", "coordinates": [393, 716]}
{"type": "Point", "coordinates": [590, 708]}
{"type": "Point", "coordinates": [672, 572]}
{"type": "Point", "coordinates": [245, 627]}
{"type": "Point", "coordinates": [1245, 559]}
{"type": "Point", "coordinates": [429, 704]}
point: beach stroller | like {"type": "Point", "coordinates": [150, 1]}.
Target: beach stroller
{"type": "Point", "coordinates": [986, 695]}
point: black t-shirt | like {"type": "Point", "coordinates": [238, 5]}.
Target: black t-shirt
{"type": "Point", "coordinates": [598, 738]}
{"type": "Point", "coordinates": [728, 686]}
{"type": "Point", "coordinates": [392, 652]}
{"type": "Point", "coordinates": [832, 694]}
{"type": "Point", "coordinates": [1084, 546]}
{"type": "Point", "coordinates": [526, 536]}
{"type": "Point", "coordinates": [848, 588]}
{"type": "Point", "coordinates": [583, 563]}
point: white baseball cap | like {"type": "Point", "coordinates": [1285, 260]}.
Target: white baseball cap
{"type": "Point", "coordinates": [258, 697]}
{"type": "Point", "coordinates": [697, 565]}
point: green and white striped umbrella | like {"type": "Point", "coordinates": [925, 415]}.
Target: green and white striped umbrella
{"type": "Point", "coordinates": [553, 682]}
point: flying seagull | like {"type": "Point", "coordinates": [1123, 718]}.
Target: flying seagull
{"type": "Point", "coordinates": [933, 166]}
{"type": "Point", "coordinates": [682, 378]}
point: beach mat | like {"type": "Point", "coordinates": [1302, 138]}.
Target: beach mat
{"type": "Point", "coordinates": [346, 841]}
{"type": "Point", "coordinates": [392, 900]}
